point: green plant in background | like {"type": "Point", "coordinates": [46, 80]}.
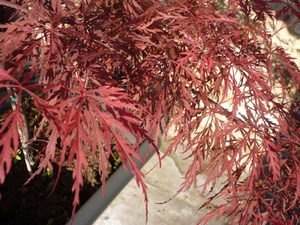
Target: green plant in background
{"type": "Point", "coordinates": [117, 160]}
{"type": "Point", "coordinates": [16, 157]}
{"type": "Point", "coordinates": [47, 173]}
{"type": "Point", "coordinates": [50, 221]}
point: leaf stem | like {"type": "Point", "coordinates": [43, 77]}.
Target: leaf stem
{"type": "Point", "coordinates": [24, 134]}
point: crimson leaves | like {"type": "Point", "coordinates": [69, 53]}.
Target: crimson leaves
{"type": "Point", "coordinates": [102, 70]}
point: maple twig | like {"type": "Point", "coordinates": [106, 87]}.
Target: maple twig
{"type": "Point", "coordinates": [226, 112]}
{"type": "Point", "coordinates": [24, 134]}
{"type": "Point", "coordinates": [236, 119]}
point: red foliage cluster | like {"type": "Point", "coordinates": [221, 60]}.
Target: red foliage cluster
{"type": "Point", "coordinates": [105, 68]}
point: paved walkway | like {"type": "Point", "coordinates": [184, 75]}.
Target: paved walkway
{"type": "Point", "coordinates": [129, 209]}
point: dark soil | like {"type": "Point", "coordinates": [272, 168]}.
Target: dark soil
{"type": "Point", "coordinates": [31, 204]}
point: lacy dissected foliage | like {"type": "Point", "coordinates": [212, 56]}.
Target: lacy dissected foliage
{"type": "Point", "coordinates": [99, 69]}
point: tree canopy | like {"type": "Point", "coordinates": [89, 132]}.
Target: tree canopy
{"type": "Point", "coordinates": [97, 70]}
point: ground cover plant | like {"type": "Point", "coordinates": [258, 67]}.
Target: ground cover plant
{"type": "Point", "coordinates": [96, 70]}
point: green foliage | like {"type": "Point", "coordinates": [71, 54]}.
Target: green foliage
{"type": "Point", "coordinates": [47, 173]}
{"type": "Point", "coordinates": [117, 160]}
{"type": "Point", "coordinates": [16, 157]}
{"type": "Point", "coordinates": [50, 221]}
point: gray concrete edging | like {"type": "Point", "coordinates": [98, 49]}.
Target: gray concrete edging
{"type": "Point", "coordinates": [96, 204]}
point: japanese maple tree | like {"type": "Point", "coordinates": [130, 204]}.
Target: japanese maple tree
{"type": "Point", "coordinates": [98, 70]}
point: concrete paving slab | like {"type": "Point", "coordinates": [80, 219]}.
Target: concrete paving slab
{"type": "Point", "coordinates": [129, 208]}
